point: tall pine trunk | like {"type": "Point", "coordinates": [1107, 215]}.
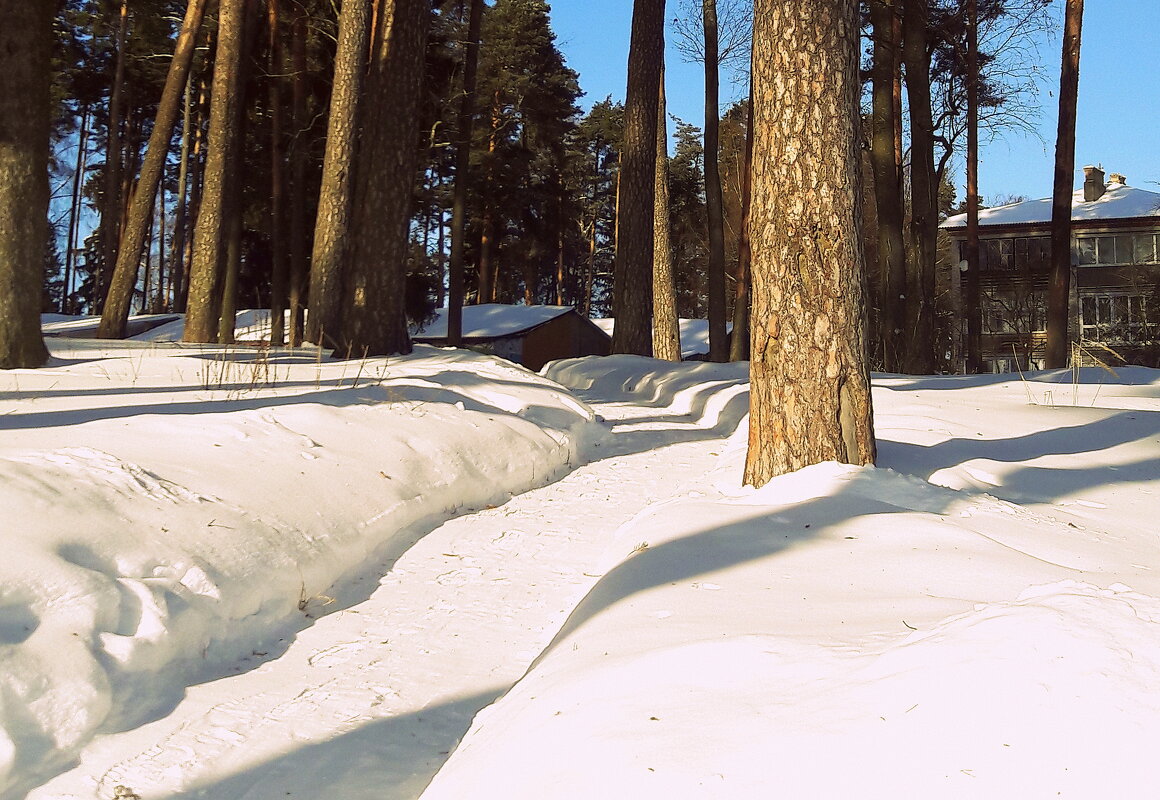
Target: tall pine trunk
{"type": "Point", "coordinates": [25, 47]}
{"type": "Point", "coordinates": [279, 266]}
{"type": "Point", "coordinates": [739, 341]}
{"type": "Point", "coordinates": [375, 321]}
{"type": "Point", "coordinates": [632, 289]}
{"type": "Point", "coordinates": [143, 199]}
{"type": "Point", "coordinates": [74, 216]}
{"type": "Point", "coordinates": [207, 271]}
{"type": "Point", "coordinates": [888, 186]}
{"type": "Point", "coordinates": [298, 188]}
{"type": "Point", "coordinates": [331, 227]}
{"type": "Point", "coordinates": [113, 201]}
{"type": "Point", "coordinates": [810, 383]}
{"type": "Point", "coordinates": [1059, 289]}
{"type": "Point", "coordinates": [919, 318]}
{"type": "Point", "coordinates": [455, 267]}
{"type": "Point", "coordinates": [972, 310]}
{"type": "Point", "coordinates": [666, 325]}
{"type": "Point", "coordinates": [714, 203]}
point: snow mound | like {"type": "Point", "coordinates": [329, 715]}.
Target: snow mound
{"type": "Point", "coordinates": [171, 512]}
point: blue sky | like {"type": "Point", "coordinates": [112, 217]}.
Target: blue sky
{"type": "Point", "coordinates": [1119, 103]}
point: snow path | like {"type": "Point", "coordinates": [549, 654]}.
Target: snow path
{"type": "Point", "coordinates": [369, 700]}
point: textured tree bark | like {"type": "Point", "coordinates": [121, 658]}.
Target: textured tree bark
{"type": "Point", "coordinates": [331, 228]}
{"type": "Point", "coordinates": [115, 313]}
{"type": "Point", "coordinates": [375, 321]}
{"type": "Point", "coordinates": [487, 278]}
{"type": "Point", "coordinates": [810, 384]}
{"type": "Point", "coordinates": [455, 267]}
{"type": "Point", "coordinates": [887, 185]}
{"type": "Point", "coordinates": [25, 47]}
{"type": "Point", "coordinates": [632, 281]}
{"type": "Point", "coordinates": [1059, 288]}
{"type": "Point", "coordinates": [919, 323]}
{"type": "Point", "coordinates": [714, 204]}
{"type": "Point", "coordinates": [207, 270]}
{"type": "Point", "coordinates": [666, 325]}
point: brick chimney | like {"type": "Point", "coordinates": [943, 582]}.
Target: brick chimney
{"type": "Point", "coordinates": [1093, 183]}
{"type": "Point", "coordinates": [1116, 177]}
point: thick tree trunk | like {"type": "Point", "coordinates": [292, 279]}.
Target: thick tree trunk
{"type": "Point", "coordinates": [919, 327]}
{"type": "Point", "coordinates": [25, 47]}
{"type": "Point", "coordinates": [207, 270]}
{"type": "Point", "coordinates": [143, 199]}
{"type": "Point", "coordinates": [632, 290]}
{"type": "Point", "coordinates": [375, 321]}
{"type": "Point", "coordinates": [888, 187]}
{"type": "Point", "coordinates": [1059, 288]}
{"type": "Point", "coordinates": [714, 203]}
{"type": "Point", "coordinates": [666, 325]}
{"type": "Point", "coordinates": [739, 340]}
{"type": "Point", "coordinates": [331, 228]}
{"type": "Point", "coordinates": [810, 385]}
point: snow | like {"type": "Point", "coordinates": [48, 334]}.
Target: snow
{"type": "Point", "coordinates": [694, 334]}
{"type": "Point", "coordinates": [492, 320]}
{"type": "Point", "coordinates": [238, 573]}
{"type": "Point", "coordinates": [1118, 202]}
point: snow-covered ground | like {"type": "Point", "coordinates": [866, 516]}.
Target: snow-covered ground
{"type": "Point", "coordinates": [242, 574]}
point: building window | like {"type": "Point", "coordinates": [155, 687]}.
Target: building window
{"type": "Point", "coordinates": [1017, 310]}
{"type": "Point", "coordinates": [1119, 317]}
{"type": "Point", "coordinates": [1032, 253]}
{"type": "Point", "coordinates": [1121, 249]}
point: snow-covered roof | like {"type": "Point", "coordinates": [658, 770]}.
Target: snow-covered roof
{"type": "Point", "coordinates": [492, 321]}
{"type": "Point", "coordinates": [1118, 202]}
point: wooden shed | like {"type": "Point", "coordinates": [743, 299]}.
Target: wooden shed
{"type": "Point", "coordinates": [528, 335]}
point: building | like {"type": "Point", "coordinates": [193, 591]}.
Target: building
{"type": "Point", "coordinates": [528, 335]}
{"type": "Point", "coordinates": [1115, 256]}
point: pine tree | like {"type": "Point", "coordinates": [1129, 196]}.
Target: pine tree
{"type": "Point", "coordinates": [810, 383]}
{"type": "Point", "coordinates": [25, 48]}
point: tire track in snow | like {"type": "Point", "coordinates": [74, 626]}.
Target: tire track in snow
{"type": "Point", "coordinates": [369, 701]}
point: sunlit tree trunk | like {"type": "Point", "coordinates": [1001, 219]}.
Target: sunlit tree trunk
{"type": "Point", "coordinates": [714, 203]}
{"type": "Point", "coordinates": [632, 291]}
{"type": "Point", "coordinates": [331, 227]}
{"type": "Point", "coordinates": [972, 311]}
{"type": "Point", "coordinates": [25, 47]}
{"type": "Point", "coordinates": [144, 197]}
{"type": "Point", "coordinates": [810, 383]}
{"type": "Point", "coordinates": [298, 188]}
{"type": "Point", "coordinates": [666, 325]}
{"type": "Point", "coordinates": [1060, 286]}
{"type": "Point", "coordinates": [375, 321]}
{"type": "Point", "coordinates": [207, 271]}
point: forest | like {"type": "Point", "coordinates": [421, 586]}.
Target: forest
{"type": "Point", "coordinates": [353, 166]}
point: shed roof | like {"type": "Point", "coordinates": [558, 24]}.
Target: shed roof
{"type": "Point", "coordinates": [1118, 202]}
{"type": "Point", "coordinates": [492, 321]}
